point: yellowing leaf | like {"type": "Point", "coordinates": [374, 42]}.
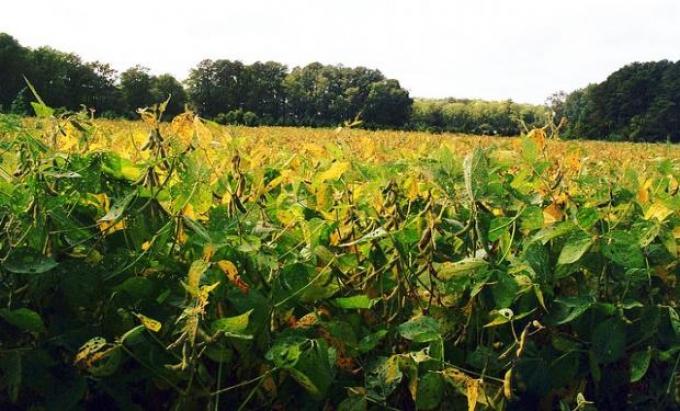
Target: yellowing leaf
{"type": "Point", "coordinates": [111, 226]}
{"type": "Point", "coordinates": [146, 245]}
{"type": "Point", "coordinates": [208, 251]}
{"type": "Point", "coordinates": [232, 274]}
{"type": "Point", "coordinates": [228, 268]}
{"type": "Point", "coordinates": [334, 172]}
{"type": "Point", "coordinates": [643, 192]}
{"type": "Point", "coordinates": [412, 190]}
{"type": "Point", "coordinates": [552, 214]}
{"type": "Point", "coordinates": [472, 393]}
{"type": "Point", "coordinates": [658, 211]}
{"type": "Point", "coordinates": [537, 135]}
{"type": "Point", "coordinates": [149, 323]}
{"type": "Point", "coordinates": [232, 326]}
{"type": "Point", "coordinates": [196, 271]}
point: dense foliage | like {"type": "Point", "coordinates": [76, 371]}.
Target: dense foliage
{"type": "Point", "coordinates": [639, 102]}
{"type": "Point", "coordinates": [314, 95]}
{"type": "Point", "coordinates": [192, 266]}
{"type": "Point", "coordinates": [504, 118]}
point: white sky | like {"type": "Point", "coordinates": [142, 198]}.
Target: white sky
{"type": "Point", "coordinates": [492, 49]}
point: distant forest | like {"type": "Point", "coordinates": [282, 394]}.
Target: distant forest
{"type": "Point", "coordinates": [639, 102]}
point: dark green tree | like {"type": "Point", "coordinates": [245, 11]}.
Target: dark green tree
{"type": "Point", "coordinates": [14, 64]}
{"type": "Point", "coordinates": [136, 86]}
{"type": "Point", "coordinates": [387, 105]}
{"type": "Point", "coordinates": [165, 86]}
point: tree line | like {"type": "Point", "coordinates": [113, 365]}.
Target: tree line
{"type": "Point", "coordinates": [223, 90]}
{"type": "Point", "coordinates": [505, 118]}
{"type": "Point", "coordinates": [639, 102]}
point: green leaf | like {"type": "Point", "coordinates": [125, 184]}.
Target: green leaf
{"type": "Point", "coordinates": [504, 290]}
{"type": "Point", "coordinates": [532, 218]}
{"type": "Point", "coordinates": [116, 211]}
{"type": "Point", "coordinates": [639, 363]}
{"type": "Point", "coordinates": [356, 302]}
{"type": "Point", "coordinates": [24, 319]}
{"type": "Point", "coordinates": [622, 248]}
{"type": "Point", "coordinates": [286, 351]}
{"type": "Point", "coordinates": [674, 318]}
{"type": "Point", "coordinates": [430, 391]}
{"type": "Point", "coordinates": [232, 326]}
{"type": "Point", "coordinates": [449, 270]}
{"type": "Point", "coordinates": [609, 341]}
{"type": "Point", "coordinates": [370, 341]}
{"type": "Point", "coordinates": [383, 376]}
{"type": "Point", "coordinates": [554, 231]}
{"type": "Point", "coordinates": [420, 329]}
{"type": "Point", "coordinates": [587, 217]}
{"type": "Point", "coordinates": [28, 261]}
{"type": "Point", "coordinates": [576, 246]}
{"type": "Point", "coordinates": [475, 173]}
{"type": "Point", "coordinates": [313, 370]}
{"type": "Point", "coordinates": [353, 404]}
{"type": "Point", "coordinates": [373, 235]}
{"type": "Point", "coordinates": [499, 226]}
{"type": "Point", "coordinates": [136, 287]}
{"type": "Point", "coordinates": [307, 361]}
{"type": "Point", "coordinates": [567, 309]}
{"type": "Point", "coordinates": [41, 110]}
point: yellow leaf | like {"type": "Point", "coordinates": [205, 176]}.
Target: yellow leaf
{"type": "Point", "coordinates": [334, 172]}
{"type": "Point", "coordinates": [111, 226]}
{"type": "Point", "coordinates": [232, 274]}
{"type": "Point", "coordinates": [472, 393]}
{"type": "Point", "coordinates": [643, 192]}
{"type": "Point", "coordinates": [552, 214]}
{"type": "Point", "coordinates": [196, 271]}
{"type": "Point", "coordinates": [658, 211]}
{"type": "Point", "coordinates": [537, 135]}
{"type": "Point", "coordinates": [189, 212]}
{"type": "Point", "coordinates": [208, 251]}
{"type": "Point", "coordinates": [228, 268]}
{"type": "Point", "coordinates": [149, 323]}
{"type": "Point", "coordinates": [412, 188]}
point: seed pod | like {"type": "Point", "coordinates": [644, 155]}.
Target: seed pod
{"type": "Point", "coordinates": [424, 242]}
{"type": "Point", "coordinates": [522, 341]}
{"type": "Point", "coordinates": [507, 384]}
{"type": "Point", "coordinates": [241, 186]}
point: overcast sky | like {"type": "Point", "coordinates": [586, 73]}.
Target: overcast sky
{"type": "Point", "coordinates": [492, 49]}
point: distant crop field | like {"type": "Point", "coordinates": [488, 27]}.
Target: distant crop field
{"type": "Point", "coordinates": [189, 265]}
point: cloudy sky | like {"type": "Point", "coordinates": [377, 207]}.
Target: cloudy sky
{"type": "Point", "coordinates": [492, 49]}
